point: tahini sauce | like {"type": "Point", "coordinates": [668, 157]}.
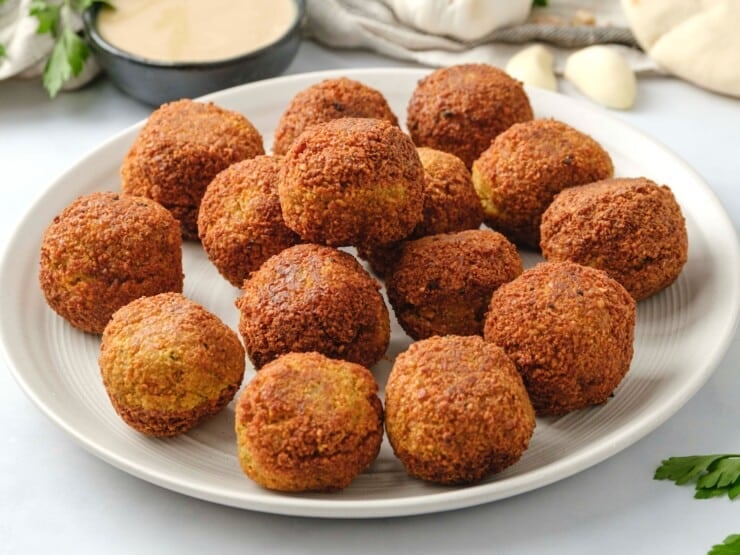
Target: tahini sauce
{"type": "Point", "coordinates": [194, 30]}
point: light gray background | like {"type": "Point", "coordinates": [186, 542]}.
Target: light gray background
{"type": "Point", "coordinates": [57, 498]}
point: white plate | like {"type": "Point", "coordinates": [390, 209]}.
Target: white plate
{"type": "Point", "coordinates": [681, 335]}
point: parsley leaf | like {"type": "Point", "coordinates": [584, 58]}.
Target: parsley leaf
{"type": "Point", "coordinates": [2, 48]}
{"type": "Point", "coordinates": [540, 3]}
{"type": "Point", "coordinates": [66, 61]}
{"type": "Point", "coordinates": [70, 51]}
{"type": "Point", "coordinates": [48, 16]}
{"type": "Point", "coordinates": [731, 546]}
{"type": "Point", "coordinates": [715, 475]}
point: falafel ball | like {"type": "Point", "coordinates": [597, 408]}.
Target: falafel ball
{"type": "Point", "coordinates": [352, 181]}
{"type": "Point", "coordinates": [313, 298]}
{"type": "Point", "coordinates": [442, 284]}
{"type": "Point", "coordinates": [450, 204]}
{"type": "Point", "coordinates": [330, 99]}
{"type": "Point", "coordinates": [461, 108]}
{"type": "Point", "coordinates": [168, 364]}
{"type": "Point", "coordinates": [631, 228]}
{"type": "Point", "coordinates": [526, 166]}
{"type": "Point", "coordinates": [457, 410]}
{"type": "Point", "coordinates": [240, 223]}
{"type": "Point", "coordinates": [180, 149]}
{"type": "Point", "coordinates": [308, 423]}
{"type": "Point", "coordinates": [103, 251]}
{"type": "Point", "coordinates": [569, 329]}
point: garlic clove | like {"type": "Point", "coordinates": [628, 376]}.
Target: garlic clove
{"type": "Point", "coordinates": [603, 74]}
{"type": "Point", "coordinates": [533, 66]}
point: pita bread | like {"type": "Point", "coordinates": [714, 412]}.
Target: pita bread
{"type": "Point", "coordinates": [697, 40]}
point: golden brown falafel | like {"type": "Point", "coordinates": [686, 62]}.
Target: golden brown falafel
{"type": "Point", "coordinates": [442, 284]}
{"type": "Point", "coordinates": [240, 223]}
{"type": "Point", "coordinates": [308, 423]}
{"type": "Point", "coordinates": [461, 108]}
{"type": "Point", "coordinates": [352, 181]}
{"type": "Point", "coordinates": [457, 410]}
{"type": "Point", "coordinates": [168, 364]}
{"type": "Point", "coordinates": [330, 99]}
{"type": "Point", "coordinates": [450, 204]}
{"type": "Point", "coordinates": [631, 228]}
{"type": "Point", "coordinates": [105, 250]}
{"type": "Point", "coordinates": [180, 149]}
{"type": "Point", "coordinates": [569, 329]}
{"type": "Point", "coordinates": [450, 201]}
{"type": "Point", "coordinates": [526, 166]}
{"type": "Point", "coordinates": [313, 298]}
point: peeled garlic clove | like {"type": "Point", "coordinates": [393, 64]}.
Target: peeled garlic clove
{"type": "Point", "coordinates": [603, 74]}
{"type": "Point", "coordinates": [533, 66]}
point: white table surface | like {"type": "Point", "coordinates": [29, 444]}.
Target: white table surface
{"type": "Point", "coordinates": [57, 498]}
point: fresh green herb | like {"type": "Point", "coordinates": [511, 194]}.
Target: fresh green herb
{"type": "Point", "coordinates": [731, 546]}
{"type": "Point", "coordinates": [48, 16]}
{"type": "Point", "coordinates": [2, 48]}
{"type": "Point", "coordinates": [539, 3]}
{"type": "Point", "coordinates": [714, 475]}
{"type": "Point", "coordinates": [66, 61]}
{"type": "Point", "coordinates": [70, 52]}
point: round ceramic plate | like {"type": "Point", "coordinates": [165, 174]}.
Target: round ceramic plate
{"type": "Point", "coordinates": [681, 335]}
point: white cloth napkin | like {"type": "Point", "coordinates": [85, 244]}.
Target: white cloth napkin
{"type": "Point", "coordinates": [26, 51]}
{"type": "Point", "coordinates": [372, 25]}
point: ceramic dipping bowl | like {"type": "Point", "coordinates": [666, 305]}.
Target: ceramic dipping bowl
{"type": "Point", "coordinates": [156, 82]}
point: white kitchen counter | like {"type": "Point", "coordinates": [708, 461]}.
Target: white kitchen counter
{"type": "Point", "coordinates": [57, 498]}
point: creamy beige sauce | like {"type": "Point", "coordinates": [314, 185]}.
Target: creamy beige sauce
{"type": "Point", "coordinates": [194, 30]}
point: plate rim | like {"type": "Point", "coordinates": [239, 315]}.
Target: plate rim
{"type": "Point", "coordinates": [621, 438]}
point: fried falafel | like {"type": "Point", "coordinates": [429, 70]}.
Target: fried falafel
{"type": "Point", "coordinates": [240, 223]}
{"type": "Point", "coordinates": [313, 298]}
{"type": "Point", "coordinates": [442, 284]}
{"type": "Point", "coordinates": [450, 204]}
{"type": "Point", "coordinates": [168, 364]}
{"type": "Point", "coordinates": [180, 149]}
{"type": "Point", "coordinates": [460, 109]}
{"type": "Point", "coordinates": [570, 331]}
{"type": "Point", "coordinates": [103, 251]}
{"type": "Point", "coordinates": [457, 410]}
{"type": "Point", "coordinates": [330, 99]}
{"type": "Point", "coordinates": [308, 423]}
{"type": "Point", "coordinates": [526, 166]}
{"type": "Point", "coordinates": [631, 228]}
{"type": "Point", "coordinates": [352, 181]}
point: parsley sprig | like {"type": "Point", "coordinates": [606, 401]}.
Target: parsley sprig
{"type": "Point", "coordinates": [70, 51]}
{"type": "Point", "coordinates": [731, 546]}
{"type": "Point", "coordinates": [714, 475]}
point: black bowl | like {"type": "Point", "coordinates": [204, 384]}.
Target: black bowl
{"type": "Point", "coordinates": [156, 82]}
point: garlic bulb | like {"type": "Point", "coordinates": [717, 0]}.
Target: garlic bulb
{"type": "Point", "coordinates": [464, 20]}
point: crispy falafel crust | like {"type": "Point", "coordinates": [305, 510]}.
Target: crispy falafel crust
{"type": "Point", "coordinates": [631, 228]}
{"type": "Point", "coordinates": [180, 149]}
{"type": "Point", "coordinates": [457, 410]}
{"type": "Point", "coordinates": [352, 181]}
{"type": "Point", "coordinates": [240, 223]}
{"type": "Point", "coordinates": [325, 101]}
{"type": "Point", "coordinates": [450, 204]}
{"type": "Point", "coordinates": [308, 423]}
{"type": "Point", "coordinates": [105, 250]}
{"type": "Point", "coordinates": [461, 108]}
{"type": "Point", "coordinates": [313, 298]}
{"type": "Point", "coordinates": [570, 331]}
{"type": "Point", "coordinates": [518, 176]}
{"type": "Point", "coordinates": [168, 364]}
{"type": "Point", "coordinates": [442, 284]}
